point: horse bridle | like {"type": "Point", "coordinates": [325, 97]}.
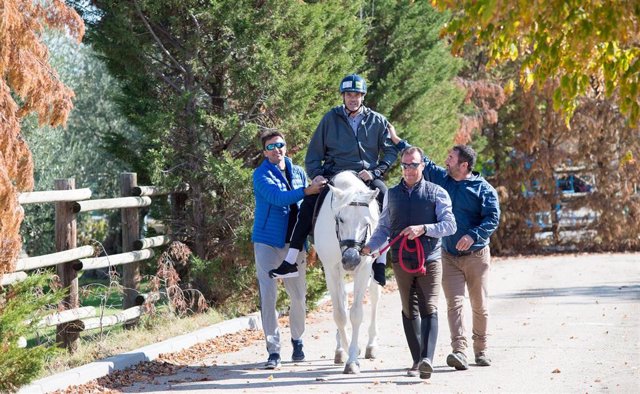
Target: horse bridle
{"type": "Point", "coordinates": [352, 243]}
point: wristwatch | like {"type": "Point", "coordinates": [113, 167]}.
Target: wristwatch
{"type": "Point", "coordinates": [377, 173]}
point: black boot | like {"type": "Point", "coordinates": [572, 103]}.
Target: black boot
{"type": "Point", "coordinates": [429, 337]}
{"type": "Point", "coordinates": [411, 334]}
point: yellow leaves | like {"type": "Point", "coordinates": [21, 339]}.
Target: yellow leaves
{"type": "Point", "coordinates": [487, 10]}
{"type": "Point", "coordinates": [528, 78]}
{"type": "Point", "coordinates": [513, 52]}
{"type": "Point", "coordinates": [509, 87]}
{"type": "Point", "coordinates": [557, 38]}
{"type": "Point", "coordinates": [627, 159]}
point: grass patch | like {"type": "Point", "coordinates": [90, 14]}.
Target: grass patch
{"type": "Point", "coordinates": [95, 345]}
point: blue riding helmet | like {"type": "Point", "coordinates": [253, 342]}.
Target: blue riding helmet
{"type": "Point", "coordinates": [353, 83]}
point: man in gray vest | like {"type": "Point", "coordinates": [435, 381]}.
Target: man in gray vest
{"type": "Point", "coordinates": [420, 212]}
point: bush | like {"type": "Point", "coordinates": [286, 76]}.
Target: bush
{"type": "Point", "coordinates": [20, 302]}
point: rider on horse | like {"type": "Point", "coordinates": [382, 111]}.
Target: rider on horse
{"type": "Point", "coordinates": [349, 137]}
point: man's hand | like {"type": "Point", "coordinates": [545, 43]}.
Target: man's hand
{"type": "Point", "coordinates": [413, 232]}
{"type": "Point", "coordinates": [392, 134]}
{"type": "Point", "coordinates": [464, 243]}
{"type": "Point", "coordinates": [365, 251]}
{"type": "Point", "coordinates": [316, 186]}
{"type": "Point", "coordinates": [365, 175]}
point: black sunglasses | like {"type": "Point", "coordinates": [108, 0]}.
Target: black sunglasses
{"type": "Point", "coordinates": [410, 165]}
{"type": "Point", "coordinates": [275, 145]}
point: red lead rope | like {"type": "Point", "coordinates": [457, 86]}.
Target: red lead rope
{"type": "Point", "coordinates": [418, 250]}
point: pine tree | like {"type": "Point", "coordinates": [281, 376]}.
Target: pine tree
{"type": "Point", "coordinates": [202, 80]}
{"type": "Point", "coordinates": [413, 74]}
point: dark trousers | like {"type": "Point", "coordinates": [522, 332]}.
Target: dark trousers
{"type": "Point", "coordinates": [305, 214]}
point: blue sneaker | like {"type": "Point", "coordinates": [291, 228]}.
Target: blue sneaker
{"type": "Point", "coordinates": [273, 362]}
{"type": "Point", "coordinates": [298, 354]}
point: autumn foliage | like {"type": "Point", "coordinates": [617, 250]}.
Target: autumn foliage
{"type": "Point", "coordinates": [575, 42]}
{"type": "Point", "coordinates": [28, 85]}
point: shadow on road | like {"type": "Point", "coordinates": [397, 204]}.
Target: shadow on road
{"type": "Point", "coordinates": [620, 293]}
{"type": "Point", "coordinates": [319, 373]}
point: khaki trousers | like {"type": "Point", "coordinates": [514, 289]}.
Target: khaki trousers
{"type": "Point", "coordinates": [471, 271]}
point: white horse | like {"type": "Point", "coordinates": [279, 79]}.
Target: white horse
{"type": "Point", "coordinates": [346, 219]}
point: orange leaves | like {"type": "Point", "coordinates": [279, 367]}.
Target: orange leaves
{"type": "Point", "coordinates": [25, 72]}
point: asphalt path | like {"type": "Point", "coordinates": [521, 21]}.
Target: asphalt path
{"type": "Point", "coordinates": [558, 324]}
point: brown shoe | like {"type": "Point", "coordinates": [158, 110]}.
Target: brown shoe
{"type": "Point", "coordinates": [458, 361]}
{"type": "Point", "coordinates": [482, 360]}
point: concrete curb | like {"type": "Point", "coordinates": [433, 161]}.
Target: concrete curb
{"type": "Point", "coordinates": [98, 369]}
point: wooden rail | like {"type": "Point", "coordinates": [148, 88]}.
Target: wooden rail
{"type": "Point", "coordinates": [151, 242]}
{"type": "Point", "coordinates": [66, 316]}
{"type": "Point", "coordinates": [48, 260]}
{"type": "Point", "coordinates": [12, 277]}
{"type": "Point", "coordinates": [111, 203]}
{"type": "Point", "coordinates": [54, 196]}
{"type": "Point", "coordinates": [113, 260]}
{"type": "Point", "coordinates": [111, 320]}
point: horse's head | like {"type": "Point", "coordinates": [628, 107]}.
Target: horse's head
{"type": "Point", "coordinates": [356, 214]}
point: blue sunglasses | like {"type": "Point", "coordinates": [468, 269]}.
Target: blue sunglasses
{"type": "Point", "coordinates": [275, 145]}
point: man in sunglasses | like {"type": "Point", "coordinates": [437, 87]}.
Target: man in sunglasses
{"type": "Point", "coordinates": [350, 137]}
{"type": "Point", "coordinates": [279, 186]}
{"type": "Point", "coordinates": [466, 256]}
{"type": "Point", "coordinates": [421, 212]}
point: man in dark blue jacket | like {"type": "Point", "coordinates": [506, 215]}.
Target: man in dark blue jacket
{"type": "Point", "coordinates": [278, 187]}
{"type": "Point", "coordinates": [466, 257]}
{"type": "Point", "coordinates": [350, 137]}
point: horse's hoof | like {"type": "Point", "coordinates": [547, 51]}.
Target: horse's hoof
{"type": "Point", "coordinates": [340, 357]}
{"type": "Point", "coordinates": [371, 352]}
{"type": "Point", "coordinates": [352, 368]}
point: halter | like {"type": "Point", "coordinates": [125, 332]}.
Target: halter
{"type": "Point", "coordinates": [352, 243]}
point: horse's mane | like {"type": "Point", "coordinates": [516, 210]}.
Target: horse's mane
{"type": "Point", "coordinates": [349, 183]}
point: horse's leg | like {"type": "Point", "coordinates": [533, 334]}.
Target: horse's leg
{"type": "Point", "coordinates": [336, 288]}
{"type": "Point", "coordinates": [372, 346]}
{"type": "Point", "coordinates": [356, 314]}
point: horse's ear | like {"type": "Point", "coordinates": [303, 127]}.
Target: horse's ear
{"type": "Point", "coordinates": [336, 192]}
{"type": "Point", "coordinates": [374, 194]}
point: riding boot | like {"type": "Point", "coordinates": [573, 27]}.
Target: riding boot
{"type": "Point", "coordinates": [411, 334]}
{"type": "Point", "coordinates": [429, 334]}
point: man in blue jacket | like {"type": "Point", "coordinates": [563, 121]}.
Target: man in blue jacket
{"type": "Point", "coordinates": [466, 257]}
{"type": "Point", "coordinates": [279, 186]}
{"type": "Point", "coordinates": [349, 137]}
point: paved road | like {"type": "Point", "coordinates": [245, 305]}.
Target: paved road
{"type": "Point", "coordinates": [559, 324]}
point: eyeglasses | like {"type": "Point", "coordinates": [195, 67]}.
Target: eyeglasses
{"type": "Point", "coordinates": [275, 145]}
{"type": "Point", "coordinates": [410, 165]}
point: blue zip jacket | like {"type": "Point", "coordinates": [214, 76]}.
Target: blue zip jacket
{"type": "Point", "coordinates": [334, 147]}
{"type": "Point", "coordinates": [475, 207]}
{"type": "Point", "coordinates": [271, 215]}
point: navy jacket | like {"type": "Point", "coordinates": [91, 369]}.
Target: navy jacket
{"type": "Point", "coordinates": [475, 207]}
{"type": "Point", "coordinates": [271, 215]}
{"type": "Point", "coordinates": [334, 147]}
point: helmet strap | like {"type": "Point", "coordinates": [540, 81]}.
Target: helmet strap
{"type": "Point", "coordinates": [349, 112]}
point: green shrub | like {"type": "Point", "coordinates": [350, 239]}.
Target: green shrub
{"type": "Point", "coordinates": [19, 303]}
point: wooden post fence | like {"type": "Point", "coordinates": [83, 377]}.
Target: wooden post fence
{"type": "Point", "coordinates": [130, 234]}
{"type": "Point", "coordinates": [65, 233]}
